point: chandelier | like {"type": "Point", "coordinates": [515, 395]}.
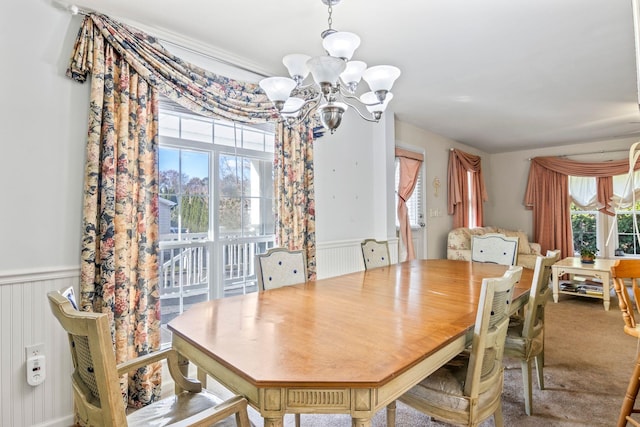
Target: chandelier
{"type": "Point", "coordinates": [336, 78]}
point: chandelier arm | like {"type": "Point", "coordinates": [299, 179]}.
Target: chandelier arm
{"type": "Point", "coordinates": [350, 96]}
{"type": "Point", "coordinates": [314, 102]}
{"type": "Point", "coordinates": [369, 119]}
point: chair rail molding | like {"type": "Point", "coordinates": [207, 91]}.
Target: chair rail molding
{"type": "Point", "coordinates": [33, 275]}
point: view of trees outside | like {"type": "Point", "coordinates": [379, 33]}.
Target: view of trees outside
{"type": "Point", "coordinates": [184, 180]}
{"type": "Point", "coordinates": [627, 238]}
{"type": "Point", "coordinates": [583, 224]}
{"type": "Point", "coordinates": [584, 227]}
{"type": "Point", "coordinates": [241, 196]}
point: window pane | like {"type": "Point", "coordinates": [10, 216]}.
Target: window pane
{"type": "Point", "coordinates": [195, 172]}
{"type": "Point", "coordinates": [224, 134]}
{"type": "Point", "coordinates": [252, 225]}
{"type": "Point", "coordinates": [169, 125]}
{"type": "Point", "coordinates": [253, 177]}
{"type": "Point", "coordinates": [195, 214]}
{"type": "Point", "coordinates": [269, 142]}
{"type": "Point", "coordinates": [197, 130]}
{"type": "Point", "coordinates": [583, 224]}
{"type": "Point", "coordinates": [230, 175]}
{"type": "Point", "coordinates": [230, 217]}
{"type": "Point", "coordinates": [169, 165]}
{"type": "Point", "coordinates": [627, 240]}
{"type": "Point", "coordinates": [252, 140]}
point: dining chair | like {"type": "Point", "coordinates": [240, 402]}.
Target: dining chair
{"type": "Point", "coordinates": [468, 389]}
{"type": "Point", "coordinates": [96, 380]}
{"type": "Point", "coordinates": [375, 253]}
{"type": "Point", "coordinates": [628, 270]}
{"type": "Point", "coordinates": [280, 267]}
{"type": "Point", "coordinates": [525, 335]}
{"type": "Point", "coordinates": [495, 248]}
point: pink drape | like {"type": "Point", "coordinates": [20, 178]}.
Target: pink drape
{"type": "Point", "coordinates": [547, 194]}
{"type": "Point", "coordinates": [458, 188]}
{"type": "Point", "coordinates": [410, 163]}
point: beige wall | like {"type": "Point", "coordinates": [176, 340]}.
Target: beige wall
{"type": "Point", "coordinates": [505, 178]}
{"type": "Point", "coordinates": [506, 196]}
{"type": "Point", "coordinates": [436, 150]}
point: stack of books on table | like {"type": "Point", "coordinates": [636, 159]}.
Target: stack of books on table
{"type": "Point", "coordinates": [582, 286]}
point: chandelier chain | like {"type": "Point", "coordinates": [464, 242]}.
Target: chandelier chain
{"type": "Point", "coordinates": [330, 10]}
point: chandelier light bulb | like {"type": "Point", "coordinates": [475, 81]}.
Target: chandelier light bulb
{"type": "Point", "coordinates": [292, 107]}
{"type": "Point", "coordinates": [370, 100]}
{"type": "Point", "coordinates": [352, 74]}
{"type": "Point", "coordinates": [341, 44]}
{"type": "Point", "coordinates": [278, 89]}
{"type": "Point", "coordinates": [381, 77]}
{"type": "Point", "coordinates": [296, 64]}
{"type": "Point", "coordinates": [326, 69]}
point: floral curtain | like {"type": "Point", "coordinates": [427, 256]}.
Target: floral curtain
{"type": "Point", "coordinates": [119, 270]}
{"type": "Point", "coordinates": [294, 191]}
{"type": "Point", "coordinates": [410, 164]}
{"type": "Point", "coordinates": [193, 87]}
{"type": "Point", "coordinates": [129, 69]}
{"type": "Point", "coordinates": [462, 168]}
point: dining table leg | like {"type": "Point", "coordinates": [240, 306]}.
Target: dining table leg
{"type": "Point", "coordinates": [391, 414]}
{"type": "Point", "coordinates": [360, 422]}
{"type": "Point", "coordinates": [273, 421]}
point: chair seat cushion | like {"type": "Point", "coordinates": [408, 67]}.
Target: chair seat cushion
{"type": "Point", "coordinates": [445, 387]}
{"type": "Point", "coordinates": [517, 346]}
{"type": "Point", "coordinates": [176, 408]}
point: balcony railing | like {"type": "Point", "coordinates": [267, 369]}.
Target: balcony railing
{"type": "Point", "coordinates": [186, 271]}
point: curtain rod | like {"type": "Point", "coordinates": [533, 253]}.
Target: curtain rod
{"type": "Point", "coordinates": [588, 153]}
{"type": "Point", "coordinates": [77, 10]}
{"type": "Point", "coordinates": [595, 152]}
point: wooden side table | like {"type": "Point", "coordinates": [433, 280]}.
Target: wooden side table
{"type": "Point", "coordinates": [600, 269]}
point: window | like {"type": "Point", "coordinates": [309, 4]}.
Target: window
{"type": "Point", "coordinates": [584, 225]}
{"type": "Point", "coordinates": [627, 231]}
{"type": "Point", "coordinates": [471, 206]}
{"type": "Point", "coordinates": [592, 226]}
{"type": "Point", "coordinates": [215, 207]}
{"type": "Point", "coordinates": [414, 204]}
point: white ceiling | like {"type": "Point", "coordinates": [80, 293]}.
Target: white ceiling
{"type": "Point", "coordinates": [498, 75]}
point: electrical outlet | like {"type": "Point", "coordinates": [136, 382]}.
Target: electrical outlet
{"type": "Point", "coordinates": [34, 350]}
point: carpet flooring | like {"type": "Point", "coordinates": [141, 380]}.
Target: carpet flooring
{"type": "Point", "coordinates": [588, 363]}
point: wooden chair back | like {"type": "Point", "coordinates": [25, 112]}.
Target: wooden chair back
{"type": "Point", "coordinates": [96, 379]}
{"type": "Point", "coordinates": [96, 386]}
{"type": "Point", "coordinates": [538, 295]}
{"type": "Point", "coordinates": [375, 253]}
{"type": "Point", "coordinates": [280, 267]}
{"type": "Point", "coordinates": [492, 320]}
{"type": "Point", "coordinates": [627, 270]}
{"type": "Point", "coordinates": [495, 248]}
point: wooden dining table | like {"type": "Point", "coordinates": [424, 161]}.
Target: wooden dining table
{"type": "Point", "coordinates": [349, 344]}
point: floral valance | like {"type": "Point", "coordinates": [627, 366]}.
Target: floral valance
{"type": "Point", "coordinates": [194, 88]}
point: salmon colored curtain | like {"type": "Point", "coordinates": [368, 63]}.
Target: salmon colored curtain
{"type": "Point", "coordinates": [459, 199]}
{"type": "Point", "coordinates": [547, 194]}
{"type": "Point", "coordinates": [410, 163]}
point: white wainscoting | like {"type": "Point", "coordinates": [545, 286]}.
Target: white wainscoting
{"type": "Point", "coordinates": [25, 319]}
{"type": "Point", "coordinates": [336, 258]}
